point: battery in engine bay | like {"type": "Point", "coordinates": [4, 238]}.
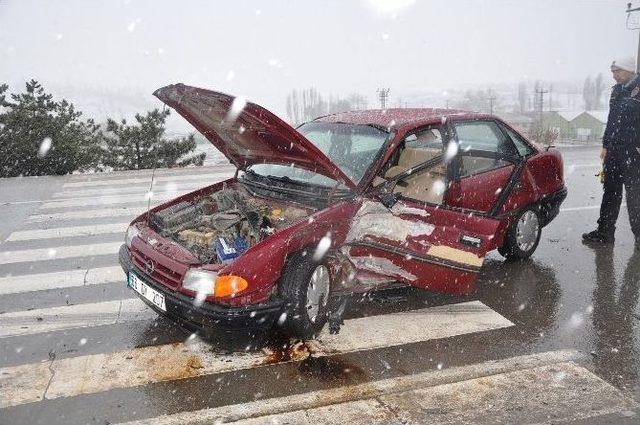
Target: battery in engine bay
{"type": "Point", "coordinates": [228, 249]}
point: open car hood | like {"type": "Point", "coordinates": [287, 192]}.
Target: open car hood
{"type": "Point", "coordinates": [247, 133]}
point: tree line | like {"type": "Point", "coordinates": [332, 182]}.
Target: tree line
{"type": "Point", "coordinates": [307, 104]}
{"type": "Point", "coordinates": [43, 136]}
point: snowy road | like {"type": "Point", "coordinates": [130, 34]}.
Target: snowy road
{"type": "Point", "coordinates": [76, 346]}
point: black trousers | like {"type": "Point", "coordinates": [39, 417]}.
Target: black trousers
{"type": "Point", "coordinates": [622, 169]}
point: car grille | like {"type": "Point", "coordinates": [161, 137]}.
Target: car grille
{"type": "Point", "coordinates": [159, 272]}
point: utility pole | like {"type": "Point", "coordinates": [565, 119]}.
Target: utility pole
{"type": "Point", "coordinates": [550, 98]}
{"type": "Point", "coordinates": [629, 11]}
{"type": "Point", "coordinates": [540, 102]}
{"type": "Point", "coordinates": [383, 95]}
{"type": "Point", "coordinates": [491, 99]}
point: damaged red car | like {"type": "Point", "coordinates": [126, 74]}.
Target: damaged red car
{"type": "Point", "coordinates": [347, 203]}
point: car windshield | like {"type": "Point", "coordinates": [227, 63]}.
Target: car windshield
{"type": "Point", "coordinates": [353, 148]}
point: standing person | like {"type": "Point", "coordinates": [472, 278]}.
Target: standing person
{"type": "Point", "coordinates": [621, 155]}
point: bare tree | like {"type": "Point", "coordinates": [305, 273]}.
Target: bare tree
{"type": "Point", "coordinates": [309, 104]}
{"type": "Point", "coordinates": [598, 88]}
{"type": "Point", "coordinates": [294, 107]}
{"type": "Point", "coordinates": [357, 101]}
{"type": "Point", "coordinates": [479, 100]}
{"type": "Point", "coordinates": [522, 96]}
{"type": "Point", "coordinates": [588, 94]}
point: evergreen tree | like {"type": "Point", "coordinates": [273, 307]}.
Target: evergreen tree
{"type": "Point", "coordinates": [40, 136]}
{"type": "Point", "coordinates": [143, 144]}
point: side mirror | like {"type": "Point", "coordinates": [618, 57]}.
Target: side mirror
{"type": "Point", "coordinates": [386, 195]}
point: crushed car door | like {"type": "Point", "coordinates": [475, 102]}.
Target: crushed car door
{"type": "Point", "coordinates": [418, 240]}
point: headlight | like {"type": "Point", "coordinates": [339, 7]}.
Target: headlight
{"type": "Point", "coordinates": [205, 283]}
{"type": "Point", "coordinates": [132, 232]}
{"type": "Point", "coordinates": [202, 282]}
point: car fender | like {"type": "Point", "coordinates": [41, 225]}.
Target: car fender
{"type": "Point", "coordinates": [263, 263]}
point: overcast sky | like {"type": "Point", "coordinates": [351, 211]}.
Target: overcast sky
{"type": "Point", "coordinates": [264, 49]}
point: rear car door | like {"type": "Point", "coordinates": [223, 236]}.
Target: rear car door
{"type": "Point", "coordinates": [419, 240]}
{"type": "Point", "coordinates": [486, 162]}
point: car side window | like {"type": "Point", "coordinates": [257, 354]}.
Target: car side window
{"type": "Point", "coordinates": [416, 148]}
{"type": "Point", "coordinates": [524, 149]}
{"type": "Point", "coordinates": [420, 147]}
{"type": "Point", "coordinates": [481, 147]}
{"type": "Point", "coordinates": [429, 138]}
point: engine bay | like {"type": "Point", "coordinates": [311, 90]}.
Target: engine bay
{"type": "Point", "coordinates": [220, 227]}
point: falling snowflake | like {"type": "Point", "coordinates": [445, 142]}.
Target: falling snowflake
{"type": "Point", "coordinates": [576, 320]}
{"type": "Point", "coordinates": [231, 75]}
{"type": "Point", "coordinates": [236, 108]}
{"type": "Point", "coordinates": [452, 151]}
{"type": "Point", "coordinates": [322, 248]}
{"type": "Point", "coordinates": [438, 187]}
{"type": "Point", "coordinates": [45, 146]}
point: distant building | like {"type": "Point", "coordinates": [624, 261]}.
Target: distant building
{"type": "Point", "coordinates": [578, 126]}
{"type": "Point", "coordinates": [589, 126]}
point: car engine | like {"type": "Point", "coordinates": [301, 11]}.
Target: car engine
{"type": "Point", "coordinates": [221, 226]}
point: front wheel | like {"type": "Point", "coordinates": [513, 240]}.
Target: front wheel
{"type": "Point", "coordinates": [523, 236]}
{"type": "Point", "coordinates": [305, 287]}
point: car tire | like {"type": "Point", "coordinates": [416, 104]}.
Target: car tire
{"type": "Point", "coordinates": [522, 238]}
{"type": "Point", "coordinates": [305, 287]}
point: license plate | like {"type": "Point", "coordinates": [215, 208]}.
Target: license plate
{"type": "Point", "coordinates": [155, 297]}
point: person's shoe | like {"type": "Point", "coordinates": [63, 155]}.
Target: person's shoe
{"type": "Point", "coordinates": [598, 236]}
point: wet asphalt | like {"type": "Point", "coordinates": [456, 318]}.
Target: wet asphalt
{"type": "Point", "coordinates": [568, 295]}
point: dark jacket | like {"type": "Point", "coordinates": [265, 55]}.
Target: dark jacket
{"type": "Point", "coordinates": [623, 123]}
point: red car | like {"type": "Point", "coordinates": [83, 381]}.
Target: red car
{"type": "Point", "coordinates": [347, 203]}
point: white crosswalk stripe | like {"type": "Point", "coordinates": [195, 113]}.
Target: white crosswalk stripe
{"type": "Point", "coordinates": [133, 191]}
{"type": "Point", "coordinates": [102, 372]}
{"type": "Point", "coordinates": [59, 280]}
{"type": "Point", "coordinates": [94, 213]}
{"type": "Point", "coordinates": [156, 198]}
{"type": "Point", "coordinates": [38, 321]}
{"type": "Point", "coordinates": [146, 180]}
{"type": "Point", "coordinates": [63, 232]}
{"type": "Point", "coordinates": [61, 252]}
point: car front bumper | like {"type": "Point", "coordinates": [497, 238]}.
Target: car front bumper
{"type": "Point", "coordinates": [214, 321]}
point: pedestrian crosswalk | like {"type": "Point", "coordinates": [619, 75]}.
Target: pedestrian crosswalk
{"type": "Point", "coordinates": [71, 243]}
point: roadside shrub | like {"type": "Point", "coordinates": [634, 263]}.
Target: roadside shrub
{"type": "Point", "coordinates": [41, 136]}
{"type": "Point", "coordinates": [143, 144]}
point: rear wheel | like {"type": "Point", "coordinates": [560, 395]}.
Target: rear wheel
{"type": "Point", "coordinates": [305, 288]}
{"type": "Point", "coordinates": [523, 236]}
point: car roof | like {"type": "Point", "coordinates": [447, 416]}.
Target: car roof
{"type": "Point", "coordinates": [400, 119]}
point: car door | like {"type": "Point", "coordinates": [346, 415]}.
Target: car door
{"type": "Point", "coordinates": [418, 239]}
{"type": "Point", "coordinates": [486, 162]}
